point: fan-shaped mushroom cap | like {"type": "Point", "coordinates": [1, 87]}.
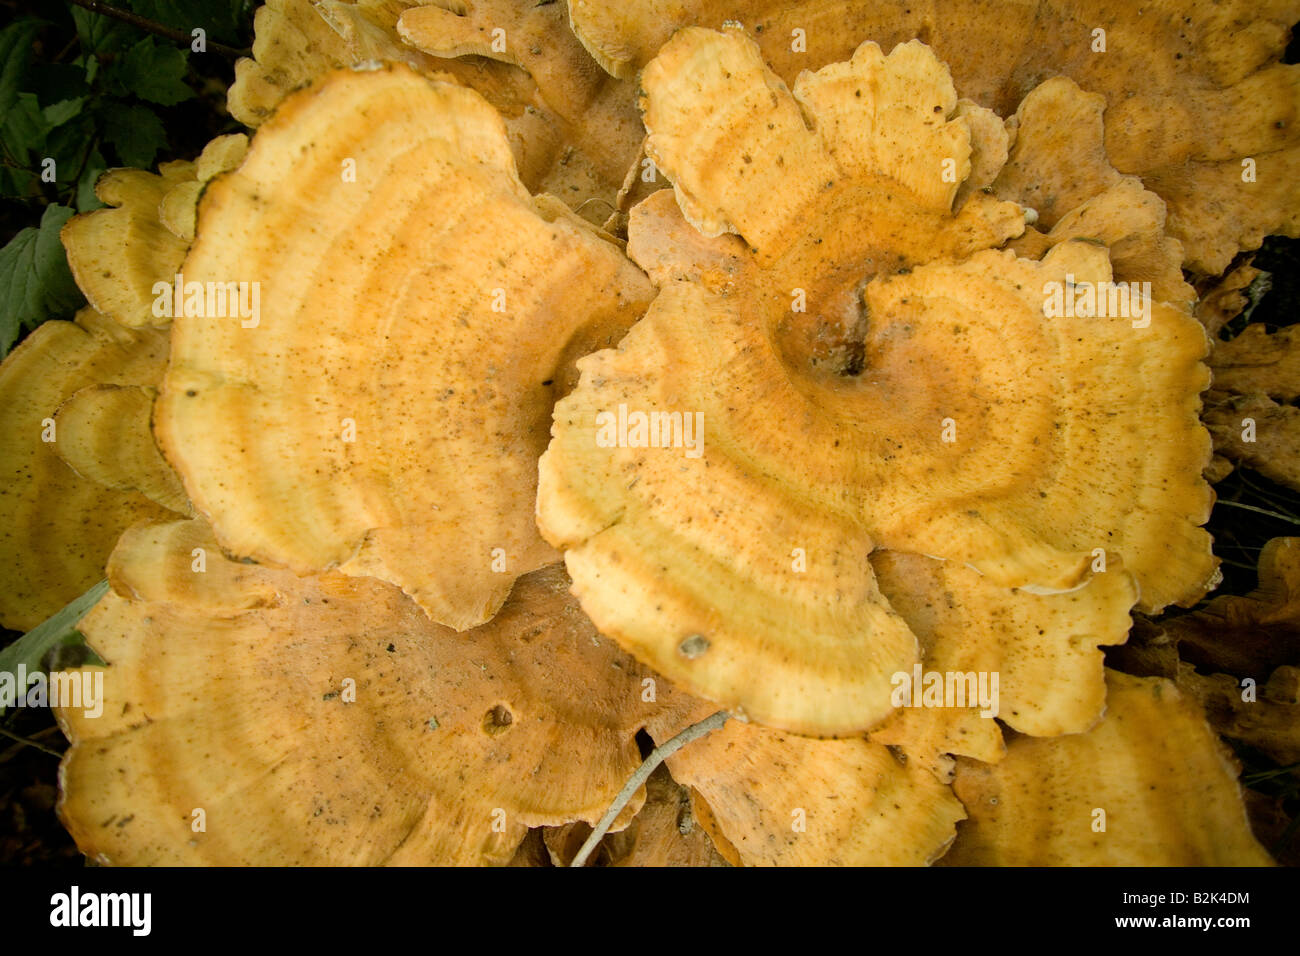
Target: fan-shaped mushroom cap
{"type": "Point", "coordinates": [990, 144]}
{"type": "Point", "coordinates": [592, 111]}
{"type": "Point", "coordinates": [780, 800]}
{"type": "Point", "coordinates": [1031, 660]}
{"type": "Point", "coordinates": [534, 37]}
{"type": "Point", "coordinates": [683, 544]}
{"type": "Point", "coordinates": [325, 720]}
{"type": "Point", "coordinates": [1058, 166]}
{"type": "Point", "coordinates": [1191, 93]}
{"type": "Point", "coordinates": [117, 254]}
{"type": "Point", "coordinates": [1151, 785]}
{"type": "Point", "coordinates": [179, 208]}
{"type": "Point", "coordinates": [1099, 412]}
{"type": "Point", "coordinates": [104, 435]}
{"type": "Point", "coordinates": [57, 527]}
{"type": "Point", "coordinates": [576, 150]}
{"type": "Point", "coordinates": [386, 409]}
{"type": "Point", "coordinates": [874, 160]}
{"type": "Point", "coordinates": [1062, 428]}
{"type": "Point", "coordinates": [294, 41]}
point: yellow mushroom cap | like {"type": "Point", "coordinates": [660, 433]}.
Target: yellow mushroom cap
{"type": "Point", "coordinates": [325, 720]}
{"type": "Point", "coordinates": [952, 413]}
{"type": "Point", "coordinates": [294, 41]}
{"type": "Point", "coordinates": [591, 111]}
{"type": "Point", "coordinates": [119, 253]}
{"type": "Point", "coordinates": [416, 316]}
{"type": "Point", "coordinates": [572, 128]}
{"type": "Point", "coordinates": [1058, 167]}
{"type": "Point", "coordinates": [1150, 785]}
{"type": "Point", "coordinates": [1197, 103]}
{"type": "Point", "coordinates": [178, 210]}
{"type": "Point", "coordinates": [57, 526]}
{"type": "Point", "coordinates": [104, 435]}
{"type": "Point", "coordinates": [775, 799]}
{"type": "Point", "coordinates": [993, 654]}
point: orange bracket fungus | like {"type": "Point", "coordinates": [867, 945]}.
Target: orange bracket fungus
{"type": "Point", "coordinates": [60, 514]}
{"type": "Point", "coordinates": [1197, 104]}
{"type": "Point", "coordinates": [1150, 785]}
{"type": "Point", "coordinates": [117, 254]}
{"type": "Point", "coordinates": [857, 370]}
{"type": "Point", "coordinates": [798, 515]}
{"type": "Point", "coordinates": [590, 116]}
{"type": "Point", "coordinates": [414, 314]}
{"type": "Point", "coordinates": [358, 731]}
{"type": "Point", "coordinates": [337, 724]}
{"type": "Point", "coordinates": [774, 799]}
{"type": "Point", "coordinates": [572, 128]}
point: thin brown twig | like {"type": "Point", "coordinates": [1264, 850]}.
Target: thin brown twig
{"type": "Point", "coordinates": [150, 26]}
{"type": "Point", "coordinates": [29, 742]}
{"type": "Point", "coordinates": [657, 756]}
{"type": "Point", "coordinates": [1263, 511]}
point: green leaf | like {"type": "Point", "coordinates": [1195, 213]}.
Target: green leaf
{"type": "Point", "coordinates": [152, 71]}
{"type": "Point", "coordinates": [35, 281]}
{"type": "Point", "coordinates": [68, 146]}
{"type": "Point", "coordinates": [101, 34]}
{"type": "Point", "coordinates": [55, 82]}
{"type": "Point", "coordinates": [24, 129]}
{"type": "Point", "coordinates": [135, 132]}
{"type": "Point", "coordinates": [95, 167]}
{"type": "Point", "coordinates": [40, 648]}
{"type": "Point", "coordinates": [90, 64]}
{"type": "Point", "coordinates": [56, 114]}
{"type": "Point", "coordinates": [15, 52]}
{"type": "Point", "coordinates": [17, 183]}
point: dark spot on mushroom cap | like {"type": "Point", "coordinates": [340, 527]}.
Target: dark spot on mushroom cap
{"type": "Point", "coordinates": [693, 646]}
{"type": "Point", "coordinates": [497, 719]}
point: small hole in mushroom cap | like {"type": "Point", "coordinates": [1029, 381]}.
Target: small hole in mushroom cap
{"type": "Point", "coordinates": [854, 359]}
{"type": "Point", "coordinates": [497, 720]}
{"type": "Point", "coordinates": [693, 646]}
